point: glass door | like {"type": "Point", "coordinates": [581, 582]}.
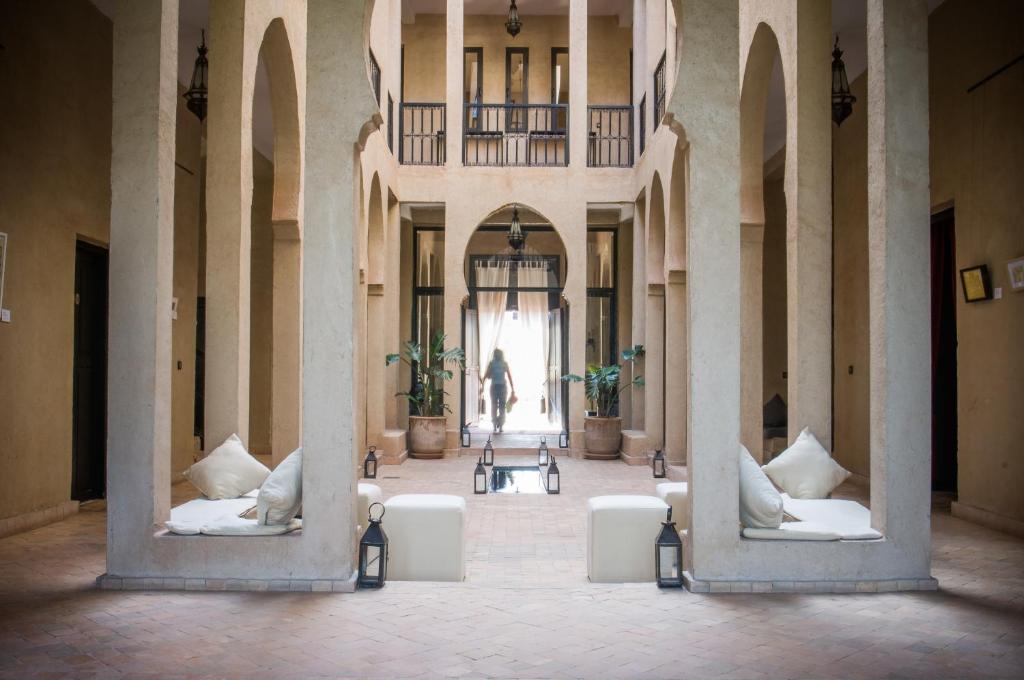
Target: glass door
{"type": "Point", "coordinates": [517, 79]}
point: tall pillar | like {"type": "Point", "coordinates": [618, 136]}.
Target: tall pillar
{"type": "Point", "coordinates": [578, 123]}
{"type": "Point", "coordinates": [676, 372]}
{"type": "Point", "coordinates": [639, 291]}
{"type": "Point", "coordinates": [338, 104]}
{"type": "Point", "coordinates": [654, 366]}
{"type": "Point", "coordinates": [145, 67]}
{"type": "Point", "coordinates": [898, 274]}
{"type": "Point", "coordinates": [286, 350]}
{"type": "Point", "coordinates": [228, 226]}
{"type": "Point", "coordinates": [808, 228]}
{"type": "Point", "coordinates": [751, 345]}
{"type": "Point", "coordinates": [454, 65]}
{"type": "Point", "coordinates": [375, 355]}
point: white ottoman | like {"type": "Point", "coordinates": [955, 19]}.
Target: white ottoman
{"type": "Point", "coordinates": [368, 494]}
{"type": "Point", "coordinates": [676, 495]}
{"type": "Point", "coordinates": [621, 531]}
{"type": "Point", "coordinates": [426, 537]}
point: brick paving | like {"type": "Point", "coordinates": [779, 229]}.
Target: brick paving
{"type": "Point", "coordinates": [526, 609]}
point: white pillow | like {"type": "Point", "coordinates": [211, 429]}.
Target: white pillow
{"type": "Point", "coordinates": [760, 503]}
{"type": "Point", "coordinates": [228, 472]}
{"type": "Point", "coordinates": [281, 495]}
{"type": "Point", "coordinates": [805, 470]}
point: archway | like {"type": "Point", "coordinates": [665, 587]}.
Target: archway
{"type": "Point", "coordinates": [654, 336]}
{"type": "Point", "coordinates": [375, 348]}
{"type": "Point", "coordinates": [515, 306]}
{"type": "Point", "coordinates": [677, 383]}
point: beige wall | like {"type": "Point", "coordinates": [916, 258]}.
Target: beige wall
{"type": "Point", "coordinates": [774, 288]}
{"type": "Point", "coordinates": [261, 307]}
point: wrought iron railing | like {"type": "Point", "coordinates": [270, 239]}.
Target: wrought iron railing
{"type": "Point", "coordinates": [515, 134]}
{"type": "Point", "coordinates": [642, 132]}
{"type": "Point", "coordinates": [659, 92]}
{"type": "Point", "coordinates": [610, 136]}
{"type": "Point", "coordinates": [421, 133]}
{"type": "Point", "coordinates": [375, 77]}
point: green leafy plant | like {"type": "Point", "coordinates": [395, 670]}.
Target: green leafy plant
{"type": "Point", "coordinates": [601, 383]}
{"type": "Point", "coordinates": [431, 370]}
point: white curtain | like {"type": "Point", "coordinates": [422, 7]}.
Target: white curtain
{"type": "Point", "coordinates": [532, 354]}
{"type": "Point", "coordinates": [490, 306]}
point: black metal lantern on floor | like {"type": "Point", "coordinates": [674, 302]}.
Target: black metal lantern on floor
{"type": "Point", "coordinates": [465, 436]}
{"type": "Point", "coordinates": [480, 477]}
{"type": "Point", "coordinates": [563, 440]}
{"type": "Point", "coordinates": [196, 95]}
{"type": "Point", "coordinates": [513, 25]}
{"type": "Point", "coordinates": [542, 453]}
{"type": "Point", "coordinates": [668, 555]}
{"type": "Point", "coordinates": [373, 552]}
{"type": "Point", "coordinates": [516, 235]}
{"type": "Point", "coordinates": [488, 453]}
{"type": "Point", "coordinates": [842, 100]}
{"type": "Point", "coordinates": [658, 464]}
{"type": "Point", "coordinates": [554, 480]}
{"type": "Point", "coordinates": [370, 464]}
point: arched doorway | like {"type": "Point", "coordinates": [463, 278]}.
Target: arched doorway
{"type": "Point", "coordinates": [515, 306]}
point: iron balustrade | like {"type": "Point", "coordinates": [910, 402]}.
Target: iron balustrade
{"type": "Point", "coordinates": [643, 124]}
{"type": "Point", "coordinates": [421, 133]}
{"type": "Point", "coordinates": [515, 134]}
{"type": "Point", "coordinates": [375, 77]}
{"type": "Point", "coordinates": [610, 137]}
{"type": "Point", "coordinates": [659, 92]}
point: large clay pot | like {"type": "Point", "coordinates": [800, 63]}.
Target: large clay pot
{"type": "Point", "coordinates": [427, 436]}
{"type": "Point", "coordinates": [602, 437]}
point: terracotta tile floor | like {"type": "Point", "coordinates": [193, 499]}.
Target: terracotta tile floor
{"type": "Point", "coordinates": [526, 609]}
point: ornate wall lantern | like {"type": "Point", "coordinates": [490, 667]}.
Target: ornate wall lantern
{"type": "Point", "coordinates": [658, 464]}
{"type": "Point", "coordinates": [516, 235]}
{"type": "Point", "coordinates": [196, 96]}
{"type": "Point", "coordinates": [668, 555]}
{"type": "Point", "coordinates": [513, 25]}
{"type": "Point", "coordinates": [370, 464]}
{"type": "Point", "coordinates": [480, 477]}
{"type": "Point", "coordinates": [542, 453]}
{"type": "Point", "coordinates": [373, 552]}
{"type": "Point", "coordinates": [554, 481]}
{"type": "Point", "coordinates": [488, 453]}
{"type": "Point", "coordinates": [842, 100]}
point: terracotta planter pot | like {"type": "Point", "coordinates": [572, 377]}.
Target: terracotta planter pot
{"type": "Point", "coordinates": [427, 436]}
{"type": "Point", "coordinates": [602, 437]}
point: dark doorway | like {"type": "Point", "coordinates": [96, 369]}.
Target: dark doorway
{"type": "Point", "coordinates": [944, 386]}
{"type": "Point", "coordinates": [199, 420]}
{"type": "Point", "coordinates": [89, 401]}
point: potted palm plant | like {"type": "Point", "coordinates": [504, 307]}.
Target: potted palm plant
{"type": "Point", "coordinates": [602, 433]}
{"type": "Point", "coordinates": [431, 369]}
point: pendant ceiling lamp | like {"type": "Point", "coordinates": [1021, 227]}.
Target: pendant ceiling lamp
{"type": "Point", "coordinates": [516, 235]}
{"type": "Point", "coordinates": [513, 25]}
{"type": "Point", "coordinates": [195, 97]}
{"type": "Point", "coordinates": [842, 100]}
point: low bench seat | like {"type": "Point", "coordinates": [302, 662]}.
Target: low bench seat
{"type": "Point", "coordinates": [621, 531]}
{"type": "Point", "coordinates": [426, 537]}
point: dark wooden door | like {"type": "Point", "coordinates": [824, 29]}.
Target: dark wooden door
{"type": "Point", "coordinates": [944, 383]}
{"type": "Point", "coordinates": [89, 401]}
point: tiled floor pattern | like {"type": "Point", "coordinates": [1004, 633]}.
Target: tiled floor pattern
{"type": "Point", "coordinates": [526, 610]}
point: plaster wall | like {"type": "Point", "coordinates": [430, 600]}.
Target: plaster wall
{"type": "Point", "coordinates": [774, 290]}
{"type": "Point", "coordinates": [261, 324]}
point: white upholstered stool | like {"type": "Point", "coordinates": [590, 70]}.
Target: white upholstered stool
{"type": "Point", "coordinates": [368, 494]}
{"type": "Point", "coordinates": [675, 494]}
{"type": "Point", "coordinates": [621, 531]}
{"type": "Point", "coordinates": [426, 537]}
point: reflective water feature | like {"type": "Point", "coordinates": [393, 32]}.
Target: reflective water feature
{"type": "Point", "coordinates": [517, 479]}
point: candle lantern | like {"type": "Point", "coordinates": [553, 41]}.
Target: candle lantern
{"type": "Point", "coordinates": [370, 464]}
{"type": "Point", "coordinates": [480, 477]}
{"type": "Point", "coordinates": [563, 440]}
{"type": "Point", "coordinates": [488, 453]}
{"type": "Point", "coordinates": [554, 482]}
{"type": "Point", "coordinates": [542, 453]}
{"type": "Point", "coordinates": [465, 436]}
{"type": "Point", "coordinates": [658, 464]}
{"type": "Point", "coordinates": [373, 552]}
{"type": "Point", "coordinates": [668, 555]}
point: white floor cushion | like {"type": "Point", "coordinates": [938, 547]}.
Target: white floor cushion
{"type": "Point", "coordinates": [849, 519]}
{"type": "Point", "coordinates": [204, 510]}
{"type": "Point", "coordinates": [793, 531]}
{"type": "Point", "coordinates": [368, 495]}
{"type": "Point", "coordinates": [760, 502]}
{"type": "Point", "coordinates": [426, 537]}
{"type": "Point", "coordinates": [805, 470]}
{"type": "Point", "coordinates": [281, 494]}
{"type": "Point", "coordinates": [676, 495]}
{"type": "Point", "coordinates": [621, 531]}
{"type": "Point", "coordinates": [228, 472]}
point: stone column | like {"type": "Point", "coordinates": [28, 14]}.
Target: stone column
{"type": "Point", "coordinates": [578, 123]}
{"type": "Point", "coordinates": [339, 106]}
{"type": "Point", "coordinates": [375, 353]}
{"type": "Point", "coordinates": [639, 297]}
{"type": "Point", "coordinates": [676, 386]}
{"type": "Point", "coordinates": [808, 228]}
{"type": "Point", "coordinates": [455, 64]}
{"type": "Point", "coordinates": [228, 227]}
{"type": "Point", "coordinates": [898, 275]}
{"type": "Point", "coordinates": [654, 366]}
{"type": "Point", "coordinates": [751, 345]}
{"type": "Point", "coordinates": [286, 351]}
{"type": "Point", "coordinates": [145, 97]}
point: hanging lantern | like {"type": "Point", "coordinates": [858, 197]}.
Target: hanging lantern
{"type": "Point", "coordinates": [553, 480]}
{"type": "Point", "coordinates": [668, 555]}
{"type": "Point", "coordinates": [479, 477]}
{"type": "Point", "coordinates": [658, 464]}
{"type": "Point", "coordinates": [516, 235]}
{"type": "Point", "coordinates": [488, 453]}
{"type": "Point", "coordinates": [370, 464]}
{"type": "Point", "coordinates": [465, 436]}
{"type": "Point", "coordinates": [842, 100]}
{"type": "Point", "coordinates": [373, 552]}
{"type": "Point", "coordinates": [542, 453]}
{"type": "Point", "coordinates": [513, 25]}
{"type": "Point", "coordinates": [563, 440]}
{"type": "Point", "coordinates": [195, 97]}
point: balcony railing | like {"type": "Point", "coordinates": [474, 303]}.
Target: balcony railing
{"type": "Point", "coordinates": [659, 92]}
{"type": "Point", "coordinates": [375, 77]}
{"type": "Point", "coordinates": [610, 137]}
{"type": "Point", "coordinates": [421, 133]}
{"type": "Point", "coordinates": [515, 134]}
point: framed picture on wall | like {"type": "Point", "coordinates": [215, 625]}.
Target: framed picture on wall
{"type": "Point", "coordinates": [976, 283]}
{"type": "Point", "coordinates": [1015, 268]}
{"type": "Point", "coordinates": [3, 259]}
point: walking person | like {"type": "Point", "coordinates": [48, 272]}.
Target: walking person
{"type": "Point", "coordinates": [501, 382]}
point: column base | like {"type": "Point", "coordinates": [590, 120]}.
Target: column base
{"type": "Point", "coordinates": [393, 447]}
{"type": "Point", "coordinates": [790, 587]}
{"type": "Point", "coordinates": [634, 448]}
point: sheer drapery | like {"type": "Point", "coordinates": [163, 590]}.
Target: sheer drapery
{"type": "Point", "coordinates": [529, 356]}
{"type": "Point", "coordinates": [490, 306]}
